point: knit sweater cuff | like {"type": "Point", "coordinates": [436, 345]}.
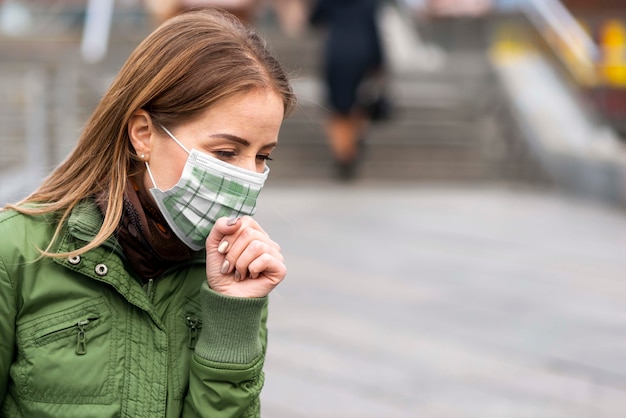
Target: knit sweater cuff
{"type": "Point", "coordinates": [230, 327]}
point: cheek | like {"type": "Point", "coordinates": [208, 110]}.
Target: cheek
{"type": "Point", "coordinates": [166, 173]}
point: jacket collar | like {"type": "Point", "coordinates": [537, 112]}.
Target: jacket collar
{"type": "Point", "coordinates": [84, 224]}
{"type": "Point", "coordinates": [105, 262]}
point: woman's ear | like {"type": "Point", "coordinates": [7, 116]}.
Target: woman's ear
{"type": "Point", "coordinates": [141, 132]}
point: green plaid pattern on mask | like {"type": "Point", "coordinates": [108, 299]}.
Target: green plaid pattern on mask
{"type": "Point", "coordinates": [207, 190]}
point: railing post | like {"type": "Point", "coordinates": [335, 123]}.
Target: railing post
{"type": "Point", "coordinates": [98, 19]}
{"type": "Point", "coordinates": [66, 106]}
{"type": "Point", "coordinates": [38, 153]}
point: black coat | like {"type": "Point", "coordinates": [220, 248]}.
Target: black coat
{"type": "Point", "coordinates": [353, 47]}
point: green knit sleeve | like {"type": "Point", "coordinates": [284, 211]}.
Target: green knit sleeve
{"type": "Point", "coordinates": [226, 373]}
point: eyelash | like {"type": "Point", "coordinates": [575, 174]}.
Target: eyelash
{"type": "Point", "coordinates": [225, 154]}
{"type": "Point", "coordinates": [230, 154]}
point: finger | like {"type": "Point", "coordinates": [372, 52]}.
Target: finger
{"type": "Point", "coordinates": [245, 249]}
{"type": "Point", "coordinates": [238, 242]}
{"type": "Point", "coordinates": [247, 224]}
{"type": "Point", "coordinates": [269, 267]}
{"type": "Point", "coordinates": [253, 251]}
{"type": "Point", "coordinates": [223, 227]}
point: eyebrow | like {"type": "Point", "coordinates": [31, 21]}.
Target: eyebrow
{"type": "Point", "coordinates": [240, 140]}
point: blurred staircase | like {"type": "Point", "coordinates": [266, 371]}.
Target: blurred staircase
{"type": "Point", "coordinates": [453, 124]}
{"type": "Point", "coordinates": [449, 125]}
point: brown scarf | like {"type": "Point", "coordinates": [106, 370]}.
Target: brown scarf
{"type": "Point", "coordinates": [147, 241]}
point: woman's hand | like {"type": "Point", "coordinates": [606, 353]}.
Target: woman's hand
{"type": "Point", "coordinates": [242, 260]}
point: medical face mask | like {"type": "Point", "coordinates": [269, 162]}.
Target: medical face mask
{"type": "Point", "coordinates": [208, 189]}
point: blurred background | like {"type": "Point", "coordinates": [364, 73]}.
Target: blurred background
{"type": "Point", "coordinates": [473, 267]}
{"type": "Point", "coordinates": [507, 91]}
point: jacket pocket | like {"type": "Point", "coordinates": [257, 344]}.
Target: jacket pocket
{"type": "Point", "coordinates": [68, 356]}
{"type": "Point", "coordinates": [77, 328]}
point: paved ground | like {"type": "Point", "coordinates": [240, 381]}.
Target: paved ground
{"type": "Point", "coordinates": [445, 302]}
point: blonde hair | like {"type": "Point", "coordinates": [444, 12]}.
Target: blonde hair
{"type": "Point", "coordinates": [187, 64]}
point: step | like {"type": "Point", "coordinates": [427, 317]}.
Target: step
{"type": "Point", "coordinates": [403, 164]}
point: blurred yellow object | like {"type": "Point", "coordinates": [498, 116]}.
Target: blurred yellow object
{"type": "Point", "coordinates": [613, 46]}
{"type": "Point", "coordinates": [510, 42]}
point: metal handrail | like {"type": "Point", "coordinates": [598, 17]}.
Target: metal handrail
{"type": "Point", "coordinates": [552, 15]}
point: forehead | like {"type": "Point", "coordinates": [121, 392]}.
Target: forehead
{"type": "Point", "coordinates": [258, 103]}
{"type": "Point", "coordinates": [254, 114]}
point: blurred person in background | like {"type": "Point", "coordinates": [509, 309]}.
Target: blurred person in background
{"type": "Point", "coordinates": [291, 13]}
{"type": "Point", "coordinates": [353, 61]}
{"type": "Point", "coordinates": [133, 281]}
{"type": "Point", "coordinates": [459, 7]}
{"type": "Point", "coordinates": [245, 10]}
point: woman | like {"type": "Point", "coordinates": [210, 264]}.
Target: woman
{"type": "Point", "coordinates": [132, 281]}
{"type": "Point", "coordinates": [352, 55]}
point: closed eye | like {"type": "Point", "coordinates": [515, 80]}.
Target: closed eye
{"type": "Point", "coordinates": [225, 155]}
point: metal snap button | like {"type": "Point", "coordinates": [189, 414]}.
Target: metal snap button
{"type": "Point", "coordinates": [74, 260]}
{"type": "Point", "coordinates": [101, 269]}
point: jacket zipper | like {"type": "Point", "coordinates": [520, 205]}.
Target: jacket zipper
{"type": "Point", "coordinates": [81, 336]}
{"type": "Point", "coordinates": [149, 289]}
{"type": "Point", "coordinates": [81, 339]}
{"type": "Point", "coordinates": [194, 325]}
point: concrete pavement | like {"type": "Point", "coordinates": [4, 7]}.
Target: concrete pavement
{"type": "Point", "coordinates": [454, 301]}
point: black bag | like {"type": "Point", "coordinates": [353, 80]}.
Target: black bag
{"type": "Point", "coordinates": [374, 100]}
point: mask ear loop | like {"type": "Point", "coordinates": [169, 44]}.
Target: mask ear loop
{"type": "Point", "coordinates": [150, 174]}
{"type": "Point", "coordinates": [174, 138]}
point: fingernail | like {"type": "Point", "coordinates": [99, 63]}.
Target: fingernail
{"type": "Point", "coordinates": [232, 221]}
{"type": "Point", "coordinates": [222, 247]}
{"type": "Point", "coordinates": [225, 267]}
{"type": "Point", "coordinates": [237, 275]}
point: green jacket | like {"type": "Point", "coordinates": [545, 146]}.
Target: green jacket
{"type": "Point", "coordinates": [81, 337]}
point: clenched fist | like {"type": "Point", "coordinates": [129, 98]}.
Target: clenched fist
{"type": "Point", "coordinates": [242, 260]}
